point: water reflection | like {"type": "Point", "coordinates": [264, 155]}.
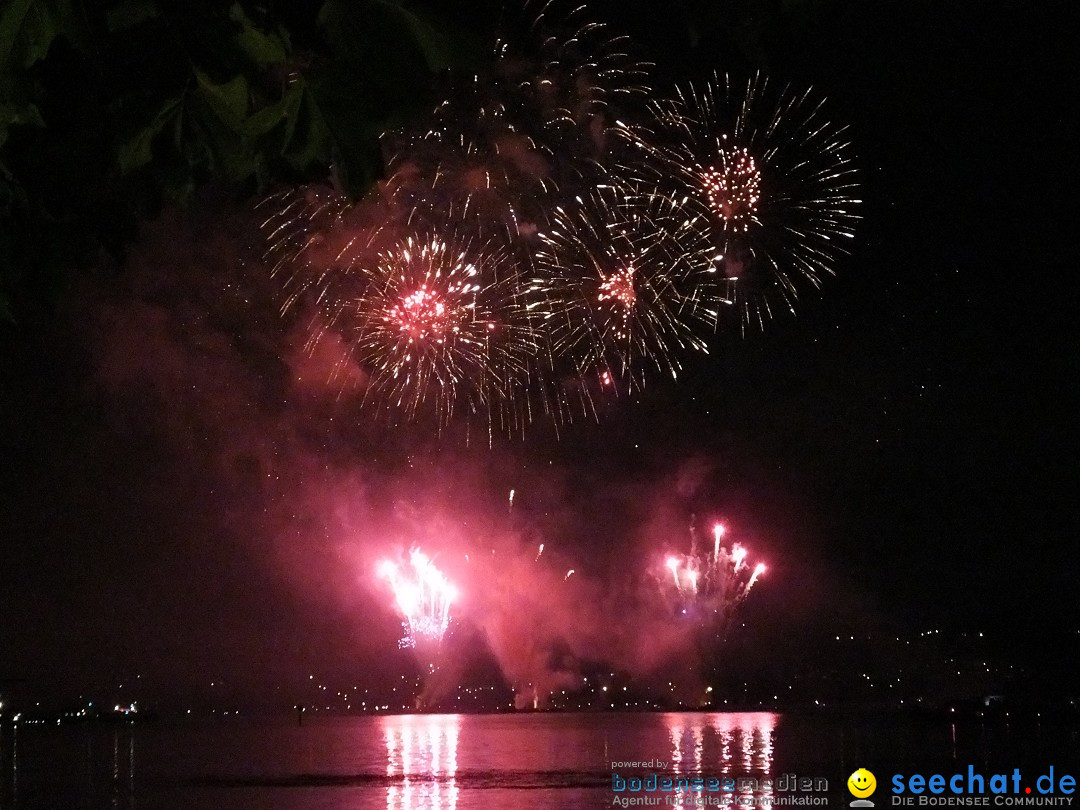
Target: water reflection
{"type": "Point", "coordinates": [89, 761]}
{"type": "Point", "coordinates": [421, 761]}
{"type": "Point", "coordinates": [120, 760]}
{"type": "Point", "coordinates": [718, 745]}
{"type": "Point", "coordinates": [722, 743]}
{"type": "Point", "coordinates": [9, 765]}
{"type": "Point", "coordinates": [126, 782]}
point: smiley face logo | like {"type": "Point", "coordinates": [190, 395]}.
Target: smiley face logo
{"type": "Point", "coordinates": [861, 783]}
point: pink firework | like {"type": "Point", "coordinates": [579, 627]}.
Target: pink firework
{"type": "Point", "coordinates": [437, 327]}
{"type": "Point", "coordinates": [422, 315]}
{"type": "Point", "coordinates": [423, 595]}
{"type": "Point", "coordinates": [707, 586]}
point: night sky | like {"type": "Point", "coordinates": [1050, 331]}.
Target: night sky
{"type": "Point", "coordinates": [180, 498]}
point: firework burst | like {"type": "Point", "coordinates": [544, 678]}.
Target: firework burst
{"type": "Point", "coordinates": [768, 178]}
{"type": "Point", "coordinates": [705, 585]}
{"type": "Point", "coordinates": [423, 595]}
{"type": "Point", "coordinates": [615, 292]}
{"type": "Point", "coordinates": [438, 326]}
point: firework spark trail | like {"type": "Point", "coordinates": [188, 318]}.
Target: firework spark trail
{"type": "Point", "coordinates": [769, 179]}
{"type": "Point", "coordinates": [759, 569]}
{"type": "Point", "coordinates": [298, 227]}
{"type": "Point", "coordinates": [738, 556]}
{"type": "Point", "coordinates": [423, 595]}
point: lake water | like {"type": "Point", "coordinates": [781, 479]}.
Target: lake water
{"type": "Point", "coordinates": [468, 762]}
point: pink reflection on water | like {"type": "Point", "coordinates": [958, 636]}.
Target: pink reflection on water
{"type": "Point", "coordinates": [735, 745]}
{"type": "Point", "coordinates": [751, 733]}
{"type": "Point", "coordinates": [687, 744]}
{"type": "Point", "coordinates": [422, 750]}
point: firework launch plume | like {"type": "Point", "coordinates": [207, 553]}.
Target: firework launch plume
{"type": "Point", "coordinates": [548, 623]}
{"type": "Point", "coordinates": [706, 586]}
